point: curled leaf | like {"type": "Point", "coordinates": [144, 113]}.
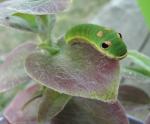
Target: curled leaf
{"type": "Point", "coordinates": [51, 105]}
{"type": "Point", "coordinates": [16, 22]}
{"type": "Point", "coordinates": [77, 70]}
{"type": "Point", "coordinates": [15, 113]}
{"type": "Point", "coordinates": [12, 70]}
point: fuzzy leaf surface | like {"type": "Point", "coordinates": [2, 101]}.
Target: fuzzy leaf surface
{"type": "Point", "coordinates": [15, 113]}
{"type": "Point", "coordinates": [12, 70]}
{"type": "Point", "coordinates": [52, 103]}
{"type": "Point", "coordinates": [38, 7]}
{"type": "Point", "coordinates": [78, 70]}
{"type": "Point", "coordinates": [85, 111]}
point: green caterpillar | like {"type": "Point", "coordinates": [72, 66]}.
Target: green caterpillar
{"type": "Point", "coordinates": [106, 41]}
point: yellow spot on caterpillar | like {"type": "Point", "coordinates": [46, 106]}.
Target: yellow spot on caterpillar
{"type": "Point", "coordinates": [100, 34]}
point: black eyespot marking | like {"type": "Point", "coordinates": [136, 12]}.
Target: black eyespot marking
{"type": "Point", "coordinates": [120, 35]}
{"type": "Point", "coordinates": [106, 44]}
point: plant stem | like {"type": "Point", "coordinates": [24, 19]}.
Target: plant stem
{"type": "Point", "coordinates": [45, 26]}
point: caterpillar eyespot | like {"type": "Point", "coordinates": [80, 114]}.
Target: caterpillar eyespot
{"type": "Point", "coordinates": [107, 42]}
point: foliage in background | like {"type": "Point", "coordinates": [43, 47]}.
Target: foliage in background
{"type": "Point", "coordinates": [140, 65]}
{"type": "Point", "coordinates": [145, 7]}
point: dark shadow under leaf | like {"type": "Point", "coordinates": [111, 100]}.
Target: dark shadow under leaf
{"type": "Point", "coordinates": [85, 111]}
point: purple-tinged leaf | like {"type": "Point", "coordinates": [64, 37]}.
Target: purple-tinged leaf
{"type": "Point", "coordinates": [38, 7]}
{"type": "Point", "coordinates": [52, 103]}
{"type": "Point", "coordinates": [23, 110]}
{"type": "Point", "coordinates": [86, 111]}
{"type": "Point", "coordinates": [133, 94]}
{"type": "Point", "coordinates": [78, 70]}
{"type": "Point", "coordinates": [12, 70]}
{"type": "Point", "coordinates": [135, 101]}
{"type": "Point", "coordinates": [16, 114]}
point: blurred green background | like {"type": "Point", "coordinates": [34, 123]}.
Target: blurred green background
{"type": "Point", "coordinates": [145, 7]}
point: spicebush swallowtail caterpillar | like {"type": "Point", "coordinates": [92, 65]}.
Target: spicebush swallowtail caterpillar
{"type": "Point", "coordinates": [106, 41]}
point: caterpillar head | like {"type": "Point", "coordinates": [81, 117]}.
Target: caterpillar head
{"type": "Point", "coordinates": [111, 44]}
{"type": "Point", "coordinates": [106, 41]}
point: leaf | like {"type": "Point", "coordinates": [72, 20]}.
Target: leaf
{"type": "Point", "coordinates": [21, 16]}
{"type": "Point", "coordinates": [135, 101]}
{"type": "Point", "coordinates": [12, 70]}
{"type": "Point", "coordinates": [77, 70]}
{"type": "Point", "coordinates": [135, 74]}
{"type": "Point", "coordinates": [133, 94]}
{"type": "Point", "coordinates": [86, 111]}
{"type": "Point", "coordinates": [52, 103]}
{"type": "Point", "coordinates": [38, 7]}
{"type": "Point", "coordinates": [140, 59]}
{"type": "Point", "coordinates": [137, 70]}
{"type": "Point", "coordinates": [31, 19]}
{"type": "Point", "coordinates": [16, 22]}
{"type": "Point", "coordinates": [15, 113]}
{"type": "Point", "coordinates": [144, 5]}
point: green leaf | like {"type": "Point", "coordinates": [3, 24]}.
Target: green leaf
{"type": "Point", "coordinates": [144, 5]}
{"type": "Point", "coordinates": [52, 103]}
{"type": "Point", "coordinates": [38, 7]}
{"type": "Point", "coordinates": [140, 59]}
{"type": "Point", "coordinates": [17, 22]}
{"type": "Point", "coordinates": [30, 19]}
{"type": "Point", "coordinates": [77, 70]}
{"type": "Point", "coordinates": [86, 111]}
{"type": "Point", "coordinates": [138, 70]}
{"type": "Point", "coordinates": [135, 75]}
